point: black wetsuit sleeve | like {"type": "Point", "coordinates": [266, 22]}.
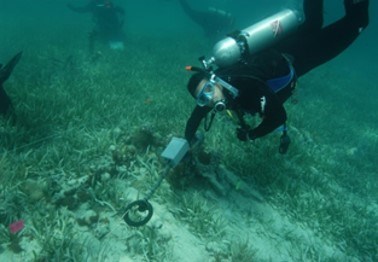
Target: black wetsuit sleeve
{"type": "Point", "coordinates": [194, 121]}
{"type": "Point", "coordinates": [274, 115]}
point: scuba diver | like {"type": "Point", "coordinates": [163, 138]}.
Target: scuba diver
{"type": "Point", "coordinates": [214, 21]}
{"type": "Point", "coordinates": [247, 82]}
{"type": "Point", "coordinates": [5, 72]}
{"type": "Point", "coordinates": [108, 22]}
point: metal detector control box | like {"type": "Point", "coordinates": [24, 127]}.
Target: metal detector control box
{"type": "Point", "coordinates": [175, 150]}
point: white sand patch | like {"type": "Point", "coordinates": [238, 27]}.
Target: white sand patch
{"type": "Point", "coordinates": [273, 235]}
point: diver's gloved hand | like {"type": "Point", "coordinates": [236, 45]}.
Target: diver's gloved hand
{"type": "Point", "coordinates": [197, 140]}
{"type": "Point", "coordinates": [195, 144]}
{"type": "Point", "coordinates": [243, 133]}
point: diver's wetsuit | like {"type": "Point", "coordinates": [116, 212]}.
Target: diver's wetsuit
{"type": "Point", "coordinates": [314, 45]}
{"type": "Point", "coordinates": [106, 17]}
{"type": "Point", "coordinates": [214, 22]}
{"type": "Point", "coordinates": [5, 72]}
{"type": "Point", "coordinates": [310, 47]}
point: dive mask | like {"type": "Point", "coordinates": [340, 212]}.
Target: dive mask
{"type": "Point", "coordinates": [206, 94]}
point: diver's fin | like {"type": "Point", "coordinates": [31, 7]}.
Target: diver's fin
{"type": "Point", "coordinates": [6, 71]}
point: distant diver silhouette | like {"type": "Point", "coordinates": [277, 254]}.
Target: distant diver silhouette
{"type": "Point", "coordinates": [214, 22]}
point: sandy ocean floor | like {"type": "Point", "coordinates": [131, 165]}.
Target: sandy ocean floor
{"type": "Point", "coordinates": [87, 141]}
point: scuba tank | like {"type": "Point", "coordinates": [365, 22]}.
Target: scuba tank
{"type": "Point", "coordinates": [254, 38]}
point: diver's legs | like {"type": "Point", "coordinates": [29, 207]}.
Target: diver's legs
{"type": "Point", "coordinates": [313, 12]}
{"type": "Point", "coordinates": [187, 9]}
{"type": "Point", "coordinates": [322, 46]}
{"type": "Point", "coordinates": [196, 16]}
{"type": "Point", "coordinates": [358, 12]}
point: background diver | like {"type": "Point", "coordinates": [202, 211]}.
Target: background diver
{"type": "Point", "coordinates": [215, 22]}
{"type": "Point", "coordinates": [108, 21]}
{"type": "Point", "coordinates": [265, 80]}
{"type": "Point", "coordinates": [5, 72]}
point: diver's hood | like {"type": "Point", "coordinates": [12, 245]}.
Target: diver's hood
{"type": "Point", "coordinates": [234, 92]}
{"type": "Point", "coordinates": [211, 76]}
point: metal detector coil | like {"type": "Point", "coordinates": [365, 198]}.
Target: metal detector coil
{"type": "Point", "coordinates": [139, 212]}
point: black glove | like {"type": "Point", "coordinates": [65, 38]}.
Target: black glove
{"type": "Point", "coordinates": [197, 139]}
{"type": "Point", "coordinates": [243, 133]}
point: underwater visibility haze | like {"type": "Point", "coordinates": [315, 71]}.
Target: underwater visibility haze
{"type": "Point", "coordinates": [93, 109]}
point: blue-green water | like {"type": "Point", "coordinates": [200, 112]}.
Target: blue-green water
{"type": "Point", "coordinates": [69, 109]}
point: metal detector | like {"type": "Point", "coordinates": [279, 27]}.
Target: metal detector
{"type": "Point", "coordinates": [139, 212]}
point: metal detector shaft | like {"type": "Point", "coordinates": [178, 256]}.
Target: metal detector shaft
{"type": "Point", "coordinates": [158, 183]}
{"type": "Point", "coordinates": [139, 212]}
